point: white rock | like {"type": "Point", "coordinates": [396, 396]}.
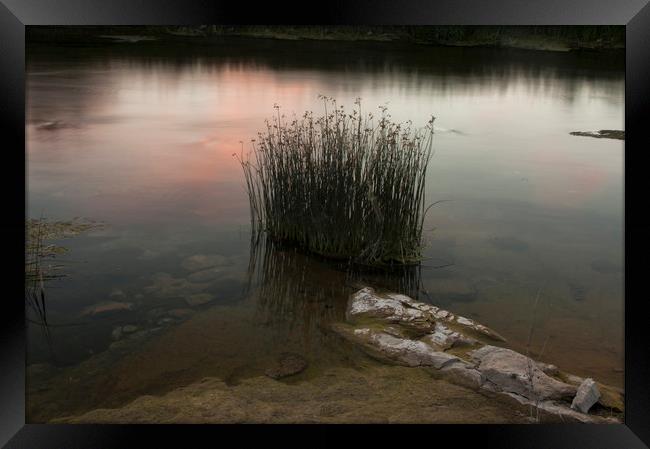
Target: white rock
{"type": "Point", "coordinates": [461, 373]}
{"type": "Point", "coordinates": [549, 369]}
{"type": "Point", "coordinates": [411, 352]}
{"type": "Point", "coordinates": [464, 321]}
{"type": "Point", "coordinates": [516, 373]}
{"type": "Point", "coordinates": [403, 310]}
{"type": "Point", "coordinates": [445, 338]}
{"type": "Point", "coordinates": [391, 308]}
{"type": "Point", "coordinates": [587, 395]}
{"type": "Point", "coordinates": [402, 351]}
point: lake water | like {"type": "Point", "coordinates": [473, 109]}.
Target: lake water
{"type": "Point", "coordinates": [143, 140]}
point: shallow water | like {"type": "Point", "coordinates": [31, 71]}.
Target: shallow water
{"type": "Point", "coordinates": [141, 137]}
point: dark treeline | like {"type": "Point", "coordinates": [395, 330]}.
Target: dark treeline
{"type": "Point", "coordinates": [532, 37]}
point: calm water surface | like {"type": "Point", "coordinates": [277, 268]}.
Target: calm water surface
{"type": "Point", "coordinates": [144, 142]}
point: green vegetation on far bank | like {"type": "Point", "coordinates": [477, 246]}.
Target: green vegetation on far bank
{"type": "Point", "coordinates": [555, 37]}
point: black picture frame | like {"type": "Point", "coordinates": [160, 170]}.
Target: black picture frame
{"type": "Point", "coordinates": [634, 14]}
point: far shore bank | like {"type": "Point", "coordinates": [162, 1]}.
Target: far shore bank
{"type": "Point", "coordinates": [548, 38]}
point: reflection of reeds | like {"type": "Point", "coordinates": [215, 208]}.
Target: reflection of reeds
{"type": "Point", "coordinates": [341, 187]}
{"type": "Point", "coordinates": [302, 293]}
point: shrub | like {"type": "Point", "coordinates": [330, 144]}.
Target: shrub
{"type": "Point", "coordinates": [341, 186]}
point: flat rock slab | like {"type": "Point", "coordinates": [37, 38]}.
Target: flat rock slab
{"type": "Point", "coordinates": [516, 373]}
{"type": "Point", "coordinates": [288, 364]}
{"type": "Point", "coordinates": [366, 304]}
{"type": "Point", "coordinates": [390, 348]}
{"type": "Point", "coordinates": [369, 305]}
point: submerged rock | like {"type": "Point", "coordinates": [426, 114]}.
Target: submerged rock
{"type": "Point", "coordinates": [166, 286]}
{"type": "Point", "coordinates": [288, 364]}
{"type": "Point", "coordinates": [586, 396]}
{"type": "Point", "coordinates": [208, 275]}
{"type": "Point", "coordinates": [105, 307]}
{"type": "Point", "coordinates": [199, 299]}
{"type": "Point", "coordinates": [204, 261]}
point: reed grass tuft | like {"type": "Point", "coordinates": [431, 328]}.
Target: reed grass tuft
{"type": "Point", "coordinates": [340, 185]}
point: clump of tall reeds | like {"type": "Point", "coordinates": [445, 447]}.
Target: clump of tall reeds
{"type": "Point", "coordinates": [341, 185]}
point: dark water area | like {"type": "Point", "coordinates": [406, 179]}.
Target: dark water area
{"type": "Point", "coordinates": [141, 136]}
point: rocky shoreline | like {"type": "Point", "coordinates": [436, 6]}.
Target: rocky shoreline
{"type": "Point", "coordinates": [426, 365]}
{"type": "Point", "coordinates": [396, 329]}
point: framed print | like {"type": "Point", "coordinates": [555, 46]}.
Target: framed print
{"type": "Point", "coordinates": [416, 214]}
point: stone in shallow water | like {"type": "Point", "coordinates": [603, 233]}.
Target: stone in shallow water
{"type": "Point", "coordinates": [287, 365]}
{"type": "Point", "coordinates": [207, 275]}
{"type": "Point", "coordinates": [166, 286]}
{"type": "Point", "coordinates": [516, 373]}
{"type": "Point", "coordinates": [586, 396]}
{"type": "Point", "coordinates": [199, 299]}
{"type": "Point", "coordinates": [105, 307]}
{"type": "Point", "coordinates": [202, 261]}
